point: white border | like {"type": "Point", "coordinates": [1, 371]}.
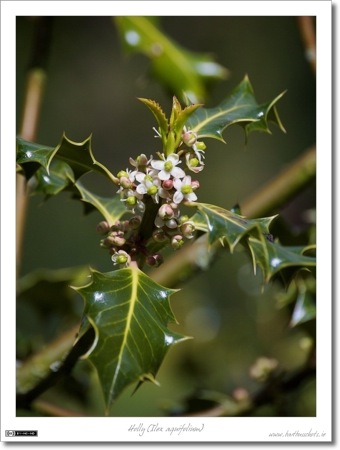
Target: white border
{"type": "Point", "coordinates": [101, 429]}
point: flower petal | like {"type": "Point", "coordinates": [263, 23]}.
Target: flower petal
{"type": "Point", "coordinates": [157, 164]}
{"type": "Point", "coordinates": [163, 175]}
{"type": "Point", "coordinates": [178, 197]}
{"type": "Point", "coordinates": [177, 172]}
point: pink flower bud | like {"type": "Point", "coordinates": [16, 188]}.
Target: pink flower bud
{"type": "Point", "coordinates": [125, 182]}
{"type": "Point", "coordinates": [167, 184]}
{"type": "Point", "coordinates": [195, 184]}
{"type": "Point", "coordinates": [189, 138]}
{"type": "Point", "coordinates": [165, 212]}
{"type": "Point", "coordinates": [188, 229]}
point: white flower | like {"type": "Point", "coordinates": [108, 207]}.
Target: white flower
{"type": "Point", "coordinates": [184, 190]}
{"type": "Point", "coordinates": [150, 186]}
{"type": "Point", "coordinates": [167, 167]}
{"type": "Point", "coordinates": [193, 163]}
{"type": "Point", "coordinates": [133, 200]}
{"type": "Point", "coordinates": [121, 258]}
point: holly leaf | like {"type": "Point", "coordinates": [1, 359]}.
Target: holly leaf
{"type": "Point", "coordinates": [59, 177]}
{"type": "Point", "coordinates": [78, 155]}
{"type": "Point", "coordinates": [228, 226]}
{"type": "Point", "coordinates": [31, 156]}
{"type": "Point", "coordinates": [130, 314]}
{"type": "Point", "coordinates": [273, 257]}
{"type": "Point", "coordinates": [184, 73]}
{"type": "Point", "coordinates": [111, 208]}
{"type": "Point", "coordinates": [231, 228]}
{"type": "Point", "coordinates": [239, 108]}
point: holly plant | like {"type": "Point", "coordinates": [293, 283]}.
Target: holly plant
{"type": "Point", "coordinates": [153, 212]}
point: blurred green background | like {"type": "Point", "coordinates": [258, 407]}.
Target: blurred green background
{"type": "Point", "coordinates": [92, 87]}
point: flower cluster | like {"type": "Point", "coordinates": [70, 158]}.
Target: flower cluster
{"type": "Point", "coordinates": [168, 185]}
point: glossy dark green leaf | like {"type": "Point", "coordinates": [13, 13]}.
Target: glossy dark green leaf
{"type": "Point", "coordinates": [228, 226]}
{"type": "Point", "coordinates": [130, 314]}
{"type": "Point", "coordinates": [31, 156]}
{"type": "Point", "coordinates": [111, 208]}
{"type": "Point", "coordinates": [241, 108]}
{"type": "Point", "coordinates": [273, 257]}
{"type": "Point", "coordinates": [182, 72]}
{"type": "Point", "coordinates": [231, 228]}
{"type": "Point", "coordinates": [59, 177]}
{"type": "Point", "coordinates": [78, 155]}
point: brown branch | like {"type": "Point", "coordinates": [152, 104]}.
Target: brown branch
{"type": "Point", "coordinates": [307, 31]}
{"type": "Point", "coordinates": [35, 85]}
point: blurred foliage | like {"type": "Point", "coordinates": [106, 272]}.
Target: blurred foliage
{"type": "Point", "coordinates": [183, 73]}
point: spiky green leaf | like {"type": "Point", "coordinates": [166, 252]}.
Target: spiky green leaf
{"type": "Point", "coordinates": [241, 108]}
{"type": "Point", "coordinates": [228, 226]}
{"type": "Point", "coordinates": [31, 156]}
{"type": "Point", "coordinates": [231, 228]}
{"type": "Point", "coordinates": [78, 155]}
{"type": "Point", "coordinates": [59, 177]}
{"type": "Point", "coordinates": [111, 208]}
{"type": "Point", "coordinates": [273, 257]}
{"type": "Point", "coordinates": [130, 314]}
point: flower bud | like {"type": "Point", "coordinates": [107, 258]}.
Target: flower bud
{"type": "Point", "coordinates": [154, 260]}
{"type": "Point", "coordinates": [119, 241]}
{"type": "Point", "coordinates": [172, 224]}
{"type": "Point", "coordinates": [103, 227]}
{"type": "Point", "coordinates": [167, 184]}
{"type": "Point", "coordinates": [165, 212]}
{"type": "Point", "coordinates": [116, 226]}
{"type": "Point", "coordinates": [195, 184]}
{"type": "Point", "coordinates": [135, 222]}
{"type": "Point", "coordinates": [177, 241]}
{"type": "Point", "coordinates": [142, 160]}
{"type": "Point", "coordinates": [188, 229]}
{"type": "Point", "coordinates": [189, 138]}
{"type": "Point", "coordinates": [183, 219]}
{"type": "Point", "coordinates": [125, 182]}
{"type": "Point", "coordinates": [159, 236]}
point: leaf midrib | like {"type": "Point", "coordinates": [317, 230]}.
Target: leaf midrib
{"type": "Point", "coordinates": [133, 301]}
